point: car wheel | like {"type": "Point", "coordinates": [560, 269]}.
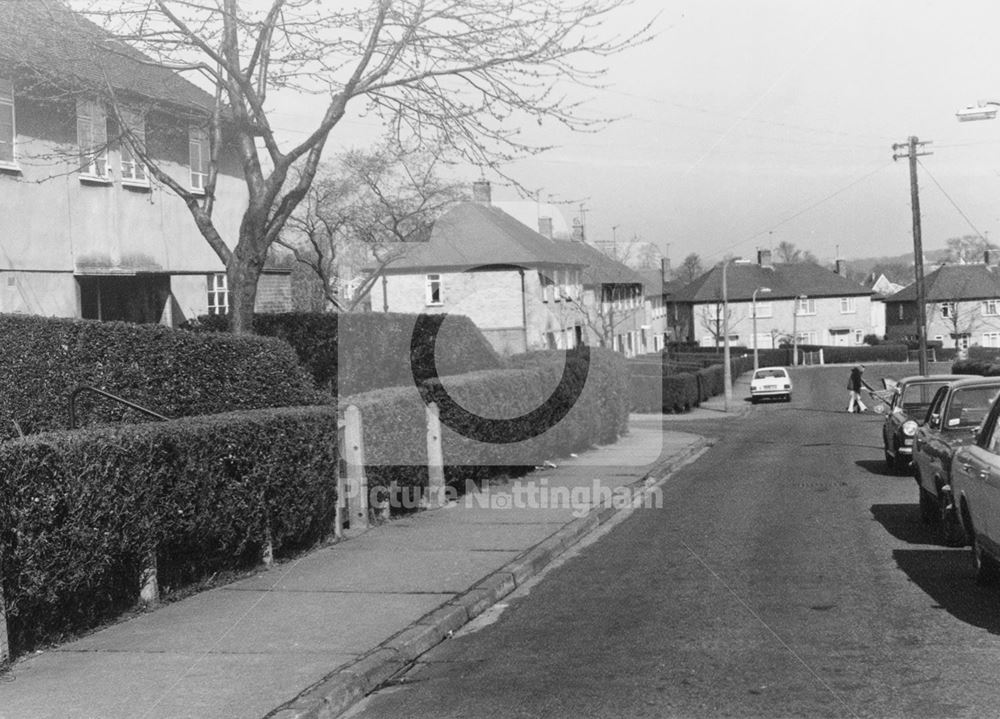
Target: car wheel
{"type": "Point", "coordinates": [890, 461]}
{"type": "Point", "coordinates": [788, 397]}
{"type": "Point", "coordinates": [952, 532]}
{"type": "Point", "coordinates": [986, 566]}
{"type": "Point", "coordinates": [928, 507]}
{"type": "Point", "coordinates": [754, 400]}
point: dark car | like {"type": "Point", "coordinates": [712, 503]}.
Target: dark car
{"type": "Point", "coordinates": [906, 407]}
{"type": "Point", "coordinates": [955, 414]}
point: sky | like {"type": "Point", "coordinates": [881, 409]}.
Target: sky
{"type": "Point", "coordinates": [746, 123]}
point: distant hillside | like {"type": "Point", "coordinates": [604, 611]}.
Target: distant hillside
{"type": "Point", "coordinates": [898, 268]}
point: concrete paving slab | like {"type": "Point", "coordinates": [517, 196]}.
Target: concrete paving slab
{"type": "Point", "coordinates": [432, 536]}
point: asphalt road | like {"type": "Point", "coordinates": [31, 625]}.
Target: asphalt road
{"type": "Point", "coordinates": [786, 575]}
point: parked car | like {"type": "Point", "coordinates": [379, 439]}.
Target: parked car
{"type": "Point", "coordinates": [907, 405]}
{"type": "Point", "coordinates": [770, 382]}
{"type": "Point", "coordinates": [975, 484]}
{"type": "Point", "coordinates": [955, 415]}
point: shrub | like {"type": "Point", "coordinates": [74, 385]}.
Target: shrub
{"type": "Point", "coordinates": [174, 373]}
{"type": "Point", "coordinates": [366, 351]}
{"type": "Point", "coordinates": [81, 512]}
{"type": "Point", "coordinates": [394, 418]}
{"type": "Point", "coordinates": [875, 353]}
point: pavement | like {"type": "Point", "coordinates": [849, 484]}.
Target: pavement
{"type": "Point", "coordinates": [309, 637]}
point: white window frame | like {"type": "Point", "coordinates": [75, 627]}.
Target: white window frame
{"type": "Point", "coordinates": [133, 171]}
{"type": "Point", "coordinates": [848, 306]}
{"type": "Point", "coordinates": [947, 309]}
{"type": "Point", "coordinates": [859, 337]}
{"type": "Point", "coordinates": [806, 306]}
{"type": "Point", "coordinates": [198, 158]}
{"type": "Point", "coordinates": [433, 284]}
{"type": "Point", "coordinates": [92, 140]}
{"type": "Point", "coordinates": [991, 308]}
{"type": "Point", "coordinates": [218, 294]}
{"type": "Point", "coordinates": [763, 310]}
{"type": "Point", "coordinates": [7, 101]}
{"type": "Point", "coordinates": [991, 339]}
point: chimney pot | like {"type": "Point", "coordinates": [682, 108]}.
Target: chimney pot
{"type": "Point", "coordinates": [578, 235]}
{"type": "Point", "coordinates": [482, 192]}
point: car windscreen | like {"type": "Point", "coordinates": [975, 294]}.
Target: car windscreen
{"type": "Point", "coordinates": [916, 397]}
{"type": "Point", "coordinates": [969, 406]}
{"type": "Point", "coordinates": [770, 373]}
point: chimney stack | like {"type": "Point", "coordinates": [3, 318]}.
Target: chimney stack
{"type": "Point", "coordinates": [578, 235]}
{"type": "Point", "coordinates": [545, 227]}
{"type": "Point", "coordinates": [841, 268]}
{"type": "Point", "coordinates": [987, 257]}
{"type": "Point", "coordinates": [665, 269]}
{"type": "Point", "coordinates": [764, 258]}
{"type": "Point", "coordinates": [482, 193]}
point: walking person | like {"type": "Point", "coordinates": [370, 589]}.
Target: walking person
{"type": "Point", "coordinates": [854, 385]}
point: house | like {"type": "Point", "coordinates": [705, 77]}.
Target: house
{"type": "Point", "coordinates": [658, 294]}
{"type": "Point", "coordinates": [86, 231]}
{"type": "Point", "coordinates": [792, 300]}
{"type": "Point", "coordinates": [882, 287]}
{"type": "Point", "coordinates": [962, 307]}
{"type": "Point", "coordinates": [521, 288]}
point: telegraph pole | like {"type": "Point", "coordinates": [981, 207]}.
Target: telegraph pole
{"type": "Point", "coordinates": [912, 151]}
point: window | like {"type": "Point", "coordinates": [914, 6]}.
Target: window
{"type": "Point", "coordinates": [218, 294]}
{"type": "Point", "coordinates": [548, 285]}
{"type": "Point", "coordinates": [132, 169]}
{"type": "Point", "coordinates": [805, 306]}
{"type": "Point", "coordinates": [859, 337]}
{"type": "Point", "coordinates": [198, 156]}
{"type": "Point", "coordinates": [92, 140]}
{"type": "Point", "coordinates": [991, 339]}
{"type": "Point", "coordinates": [991, 307]}
{"type": "Point", "coordinates": [899, 312]}
{"type": "Point", "coordinates": [847, 306]}
{"type": "Point", "coordinates": [764, 309]}
{"type": "Point", "coordinates": [7, 132]}
{"type": "Point", "coordinates": [947, 309]}
{"type": "Point", "coordinates": [433, 289]}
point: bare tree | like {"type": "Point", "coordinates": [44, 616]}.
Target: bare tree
{"type": "Point", "coordinates": [690, 268]}
{"type": "Point", "coordinates": [715, 319]}
{"type": "Point", "coordinates": [359, 211]}
{"type": "Point", "coordinates": [968, 248]}
{"type": "Point", "coordinates": [607, 307]}
{"type": "Point", "coordinates": [466, 74]}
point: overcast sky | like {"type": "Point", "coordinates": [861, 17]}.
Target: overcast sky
{"type": "Point", "coordinates": [751, 122]}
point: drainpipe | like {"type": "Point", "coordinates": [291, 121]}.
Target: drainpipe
{"type": "Point", "coordinates": [524, 310]}
{"type": "Point", "coordinates": [385, 294]}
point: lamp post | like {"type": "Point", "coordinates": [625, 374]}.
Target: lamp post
{"type": "Point", "coordinates": [795, 330]}
{"type": "Point", "coordinates": [753, 301]}
{"type": "Point", "coordinates": [727, 371]}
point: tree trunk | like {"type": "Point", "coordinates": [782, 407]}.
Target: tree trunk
{"type": "Point", "coordinates": [243, 274]}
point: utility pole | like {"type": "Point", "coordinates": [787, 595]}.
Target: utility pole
{"type": "Point", "coordinates": [912, 152]}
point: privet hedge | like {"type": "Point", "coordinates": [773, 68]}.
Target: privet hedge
{"type": "Point", "coordinates": [172, 372]}
{"type": "Point", "coordinates": [366, 351]}
{"type": "Point", "coordinates": [660, 389]}
{"type": "Point", "coordinates": [394, 418]}
{"type": "Point", "coordinates": [82, 512]}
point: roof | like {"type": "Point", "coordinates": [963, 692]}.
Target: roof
{"type": "Point", "coordinates": [472, 234]}
{"type": "Point", "coordinates": [47, 38]}
{"type": "Point", "coordinates": [950, 283]}
{"type": "Point", "coordinates": [598, 268]}
{"type": "Point", "coordinates": [785, 280]}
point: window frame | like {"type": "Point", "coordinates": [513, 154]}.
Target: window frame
{"type": "Point", "coordinates": [848, 306]}
{"type": "Point", "coordinates": [132, 171]}
{"type": "Point", "coordinates": [433, 284]}
{"type": "Point", "coordinates": [198, 138]}
{"type": "Point", "coordinates": [218, 287]}
{"type": "Point", "coordinates": [95, 166]}
{"type": "Point", "coordinates": [805, 306]}
{"type": "Point", "coordinates": [991, 308]}
{"type": "Point", "coordinates": [9, 101]}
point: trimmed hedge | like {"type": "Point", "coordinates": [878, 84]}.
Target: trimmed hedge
{"type": "Point", "coordinates": [81, 512]}
{"type": "Point", "coordinates": [660, 389]}
{"type": "Point", "coordinates": [984, 368]}
{"type": "Point", "coordinates": [358, 352]}
{"type": "Point", "coordinates": [394, 418]}
{"type": "Point", "coordinates": [174, 373]}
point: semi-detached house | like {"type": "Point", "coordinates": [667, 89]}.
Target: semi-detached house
{"type": "Point", "coordinates": [85, 231]}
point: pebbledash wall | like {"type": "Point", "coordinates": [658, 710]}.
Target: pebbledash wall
{"type": "Point", "coordinates": [105, 248]}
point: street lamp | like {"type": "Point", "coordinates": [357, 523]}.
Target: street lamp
{"type": "Point", "coordinates": [727, 372]}
{"type": "Point", "coordinates": [795, 330]}
{"type": "Point", "coordinates": [984, 110]}
{"type": "Point", "coordinates": [753, 301]}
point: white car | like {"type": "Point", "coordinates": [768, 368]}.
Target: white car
{"type": "Point", "coordinates": [770, 382]}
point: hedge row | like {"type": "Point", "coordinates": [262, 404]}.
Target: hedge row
{"type": "Point", "coordinates": [671, 391]}
{"type": "Point", "coordinates": [593, 408]}
{"type": "Point", "coordinates": [81, 512]}
{"type": "Point", "coordinates": [357, 352]}
{"type": "Point", "coordinates": [984, 368]}
{"type": "Point", "coordinates": [174, 373]}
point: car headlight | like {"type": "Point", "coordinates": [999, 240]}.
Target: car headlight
{"type": "Point", "coordinates": [909, 428]}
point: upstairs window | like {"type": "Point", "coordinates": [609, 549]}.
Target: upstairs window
{"type": "Point", "coordinates": [805, 306]}
{"type": "Point", "coordinates": [198, 157]}
{"type": "Point", "coordinates": [92, 140]}
{"type": "Point", "coordinates": [132, 169]}
{"type": "Point", "coordinates": [218, 294]}
{"type": "Point", "coordinates": [847, 305]}
{"type": "Point", "coordinates": [7, 132]}
{"type": "Point", "coordinates": [991, 307]}
{"type": "Point", "coordinates": [433, 290]}
{"type": "Point", "coordinates": [947, 309]}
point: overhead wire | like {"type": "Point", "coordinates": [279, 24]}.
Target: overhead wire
{"type": "Point", "coordinates": [951, 200]}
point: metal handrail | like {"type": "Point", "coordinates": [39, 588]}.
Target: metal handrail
{"type": "Point", "coordinates": [87, 388]}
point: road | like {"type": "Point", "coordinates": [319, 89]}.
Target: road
{"type": "Point", "coordinates": [786, 575]}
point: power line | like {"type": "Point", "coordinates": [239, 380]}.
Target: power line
{"type": "Point", "coordinates": [949, 198]}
